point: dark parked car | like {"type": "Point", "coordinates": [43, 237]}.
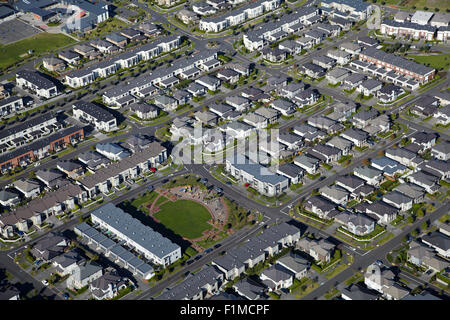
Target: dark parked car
{"type": "Point", "coordinates": [228, 183]}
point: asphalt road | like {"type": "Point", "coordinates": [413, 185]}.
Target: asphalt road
{"type": "Point", "coordinates": [362, 262]}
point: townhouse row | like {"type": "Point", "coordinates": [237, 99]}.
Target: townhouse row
{"type": "Point", "coordinates": [125, 60]}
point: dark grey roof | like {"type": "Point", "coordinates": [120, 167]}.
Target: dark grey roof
{"type": "Point", "coordinates": [397, 61]}
{"type": "Point", "coordinates": [135, 230]}
{"type": "Point", "coordinates": [290, 170]}
{"type": "Point", "coordinates": [94, 110]}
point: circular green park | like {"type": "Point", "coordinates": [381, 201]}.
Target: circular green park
{"type": "Point", "coordinates": [187, 218]}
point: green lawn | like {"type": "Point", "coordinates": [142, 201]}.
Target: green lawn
{"type": "Point", "coordinates": [420, 4]}
{"type": "Point", "coordinates": [184, 217]}
{"type": "Point", "coordinates": [435, 61]}
{"type": "Point", "coordinates": [40, 43]}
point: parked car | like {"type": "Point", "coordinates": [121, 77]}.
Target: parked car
{"type": "Point", "coordinates": [228, 183]}
{"type": "Point", "coordinates": [208, 250]}
{"type": "Point", "coordinates": [45, 282]}
{"type": "Point", "coordinates": [219, 190]}
{"type": "Point", "coordinates": [65, 296]}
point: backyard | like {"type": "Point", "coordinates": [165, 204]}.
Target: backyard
{"type": "Point", "coordinates": [438, 61]}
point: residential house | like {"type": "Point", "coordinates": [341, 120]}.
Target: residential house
{"type": "Point", "coordinates": [340, 56]}
{"type": "Point", "coordinates": [53, 64]}
{"type": "Point", "coordinates": [209, 82]}
{"type": "Point", "coordinates": [228, 75]}
{"type": "Point", "coordinates": [357, 136]}
{"type": "Point", "coordinates": [71, 168]}
{"type": "Point", "coordinates": [112, 151]}
{"type": "Point", "coordinates": [441, 150]}
{"type": "Point", "coordinates": [292, 172]}
{"type": "Point", "coordinates": [325, 153]}
{"type": "Point", "coordinates": [83, 275]}
{"type": "Point", "coordinates": [238, 102]}
{"type": "Point", "coordinates": [297, 265]}
{"type": "Point", "coordinates": [382, 212]}
{"type": "Point", "coordinates": [93, 160]}
{"type": "Point", "coordinates": [107, 286]}
{"type": "Point", "coordinates": [388, 166]}
{"type": "Point", "coordinates": [285, 107]}
{"type": "Point", "coordinates": [405, 157]}
{"type": "Point", "coordinates": [321, 250]}
{"type": "Point", "coordinates": [382, 280]}
{"type": "Point", "coordinates": [319, 206]}
{"type": "Point", "coordinates": [92, 113]}
{"type": "Point", "coordinates": [337, 75]}
{"type": "Point", "coordinates": [144, 111]}
{"type": "Point", "coordinates": [250, 289]}
{"type": "Point", "coordinates": [371, 175]}
{"type": "Point", "coordinates": [336, 194]}
{"type": "Point", "coordinates": [389, 93]}
{"type": "Point", "coordinates": [340, 143]}
{"type": "Point", "coordinates": [412, 191]}
{"type": "Point", "coordinates": [67, 262]}
{"type": "Point", "coordinates": [438, 241]}
{"type": "Point", "coordinates": [398, 200]}
{"type": "Point", "coordinates": [29, 188]}
{"type": "Point", "coordinates": [257, 176]}
{"type": "Point", "coordinates": [8, 198]}
{"type": "Point", "coordinates": [50, 246]}
{"type": "Point", "coordinates": [51, 178]}
{"type": "Point", "coordinates": [357, 224]}
{"type": "Point", "coordinates": [165, 102]}
{"type": "Point", "coordinates": [276, 277]}
{"type": "Point", "coordinates": [308, 163]}
{"type": "Point", "coordinates": [426, 181]}
{"type": "Point", "coordinates": [370, 87]}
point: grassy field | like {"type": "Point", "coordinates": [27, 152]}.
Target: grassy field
{"type": "Point", "coordinates": [184, 217]}
{"type": "Point", "coordinates": [40, 43]}
{"type": "Point", "coordinates": [435, 61]}
{"type": "Point", "coordinates": [420, 4]}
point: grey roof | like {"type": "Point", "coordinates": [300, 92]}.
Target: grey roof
{"type": "Point", "coordinates": [26, 185]}
{"type": "Point", "coordinates": [411, 190]}
{"type": "Point", "coordinates": [277, 273]}
{"type": "Point", "coordinates": [397, 197]}
{"type": "Point", "coordinates": [371, 84]}
{"type": "Point", "coordinates": [338, 72]}
{"type": "Point", "coordinates": [290, 169]}
{"type": "Point", "coordinates": [192, 285]}
{"type": "Point", "coordinates": [367, 171]}
{"type": "Point", "coordinates": [356, 134]}
{"type": "Point", "coordinates": [356, 292]}
{"type": "Point", "coordinates": [249, 288]}
{"type": "Point", "coordinates": [94, 110]}
{"type": "Point", "coordinates": [135, 230]}
{"type": "Point", "coordinates": [351, 181]}
{"type": "Point", "coordinates": [220, 108]}
{"type": "Point", "coordinates": [294, 263]}
{"type": "Point", "coordinates": [6, 195]}
{"type": "Point", "coordinates": [443, 147]}
{"type": "Point", "coordinates": [366, 114]}
{"type": "Point", "coordinates": [48, 175]}
{"type": "Point", "coordinates": [258, 171]}
{"type": "Point", "coordinates": [306, 160]}
{"type": "Point", "coordinates": [397, 61]}
{"type": "Point", "coordinates": [438, 240]}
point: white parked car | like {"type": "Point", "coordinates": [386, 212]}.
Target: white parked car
{"type": "Point", "coordinates": [45, 282]}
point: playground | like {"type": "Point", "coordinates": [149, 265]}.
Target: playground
{"type": "Point", "coordinates": [197, 215]}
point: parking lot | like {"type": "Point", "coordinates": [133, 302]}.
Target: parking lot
{"type": "Point", "coordinates": [15, 30]}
